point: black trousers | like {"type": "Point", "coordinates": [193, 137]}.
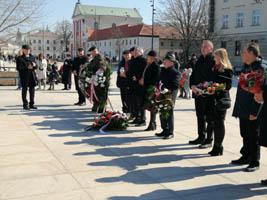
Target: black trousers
{"type": "Point", "coordinates": [204, 124]}
{"type": "Point", "coordinates": [250, 130]}
{"type": "Point", "coordinates": [67, 79]}
{"type": "Point", "coordinates": [168, 124]}
{"type": "Point", "coordinates": [126, 100]}
{"type": "Point", "coordinates": [24, 95]}
{"type": "Point", "coordinates": [138, 106]}
{"type": "Point", "coordinates": [80, 94]}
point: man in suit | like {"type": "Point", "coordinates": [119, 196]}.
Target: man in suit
{"type": "Point", "coordinates": [26, 66]}
{"type": "Point", "coordinates": [79, 60]}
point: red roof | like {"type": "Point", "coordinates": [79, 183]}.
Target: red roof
{"type": "Point", "coordinates": [132, 30]}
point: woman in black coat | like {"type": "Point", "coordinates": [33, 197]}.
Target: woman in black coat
{"type": "Point", "coordinates": [262, 98]}
{"type": "Point", "coordinates": [151, 76]}
{"type": "Point", "coordinates": [222, 73]}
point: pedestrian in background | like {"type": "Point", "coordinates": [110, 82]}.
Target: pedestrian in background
{"type": "Point", "coordinates": [41, 71]}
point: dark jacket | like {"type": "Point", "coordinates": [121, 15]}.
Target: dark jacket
{"type": "Point", "coordinates": [263, 123]}
{"type": "Point", "coordinates": [94, 65]}
{"type": "Point", "coordinates": [152, 75]}
{"type": "Point", "coordinates": [78, 62]}
{"type": "Point", "coordinates": [170, 78]}
{"type": "Point", "coordinates": [67, 68]}
{"type": "Point", "coordinates": [121, 81]}
{"type": "Point", "coordinates": [245, 104]}
{"type": "Point", "coordinates": [27, 76]}
{"type": "Point", "coordinates": [137, 66]}
{"type": "Point", "coordinates": [192, 64]}
{"type": "Point", "coordinates": [203, 70]}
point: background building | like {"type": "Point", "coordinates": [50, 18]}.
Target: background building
{"type": "Point", "coordinates": [113, 41]}
{"type": "Point", "coordinates": [47, 43]}
{"type": "Point", "coordinates": [239, 22]}
{"type": "Point", "coordinates": [87, 17]}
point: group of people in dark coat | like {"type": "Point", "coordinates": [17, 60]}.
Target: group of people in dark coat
{"type": "Point", "coordinates": [135, 75]}
{"type": "Point", "coordinates": [249, 108]}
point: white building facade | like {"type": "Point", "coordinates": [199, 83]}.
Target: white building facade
{"type": "Point", "coordinates": [240, 22]}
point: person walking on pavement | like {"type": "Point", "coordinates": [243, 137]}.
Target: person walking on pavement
{"type": "Point", "coordinates": [66, 75]}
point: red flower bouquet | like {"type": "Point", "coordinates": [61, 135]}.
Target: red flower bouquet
{"type": "Point", "coordinates": [252, 81]}
{"type": "Point", "coordinates": [164, 103]}
{"type": "Point", "coordinates": [211, 88]}
{"type": "Point", "coordinates": [152, 94]}
{"type": "Point", "coordinates": [112, 121]}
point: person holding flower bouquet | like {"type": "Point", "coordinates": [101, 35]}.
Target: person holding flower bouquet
{"type": "Point", "coordinates": [222, 75]}
{"type": "Point", "coordinates": [170, 79]}
{"type": "Point", "coordinates": [150, 78]}
{"type": "Point", "coordinates": [248, 112]}
{"type": "Point", "coordinates": [261, 98]}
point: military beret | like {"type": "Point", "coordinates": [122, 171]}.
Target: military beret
{"type": "Point", "coordinates": [125, 52]}
{"type": "Point", "coordinates": [152, 53]}
{"type": "Point", "coordinates": [92, 48]}
{"type": "Point", "coordinates": [80, 49]}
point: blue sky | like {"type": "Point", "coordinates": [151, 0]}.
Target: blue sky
{"type": "Point", "coordinates": [63, 9]}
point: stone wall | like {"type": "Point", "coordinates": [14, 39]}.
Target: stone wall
{"type": "Point", "coordinates": [8, 78]}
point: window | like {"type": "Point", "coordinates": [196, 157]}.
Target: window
{"type": "Point", "coordinates": [100, 44]}
{"type": "Point", "coordinates": [48, 48]}
{"type": "Point", "coordinates": [126, 42]}
{"type": "Point", "coordinates": [47, 41]}
{"type": "Point", "coordinates": [61, 42]}
{"type": "Point", "coordinates": [256, 18]}
{"type": "Point", "coordinates": [105, 44]}
{"type": "Point", "coordinates": [122, 42]}
{"type": "Point", "coordinates": [39, 41]}
{"type": "Point", "coordinates": [224, 44]}
{"type": "Point", "coordinates": [237, 48]}
{"type": "Point", "coordinates": [130, 42]}
{"type": "Point", "coordinates": [162, 44]}
{"type": "Point", "coordinates": [239, 19]}
{"type": "Point", "coordinates": [109, 43]}
{"type": "Point", "coordinates": [55, 42]}
{"type": "Point", "coordinates": [39, 48]}
{"type": "Point", "coordinates": [225, 21]}
{"type": "Point", "coordinates": [54, 48]}
{"type": "Point", "coordinates": [225, 1]}
{"type": "Point", "coordinates": [77, 27]}
{"type": "Point", "coordinates": [34, 48]}
{"type": "Point", "coordinates": [34, 41]}
{"type": "Point", "coordinates": [134, 41]}
{"type": "Point", "coordinates": [113, 24]}
{"type": "Point", "coordinates": [172, 44]}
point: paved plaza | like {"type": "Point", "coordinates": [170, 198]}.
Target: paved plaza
{"type": "Point", "coordinates": [46, 155]}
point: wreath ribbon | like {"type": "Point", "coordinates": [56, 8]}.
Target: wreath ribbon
{"type": "Point", "coordinates": [101, 130]}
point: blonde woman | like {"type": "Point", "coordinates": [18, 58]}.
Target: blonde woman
{"type": "Point", "coordinates": [41, 71]}
{"type": "Point", "coordinates": [222, 73]}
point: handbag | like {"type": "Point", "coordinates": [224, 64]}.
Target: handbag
{"type": "Point", "coordinates": [223, 104]}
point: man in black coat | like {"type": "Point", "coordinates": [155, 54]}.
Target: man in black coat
{"type": "Point", "coordinates": [78, 62]}
{"type": "Point", "coordinates": [136, 71]}
{"type": "Point", "coordinates": [67, 69]}
{"type": "Point", "coordinates": [170, 79]}
{"type": "Point", "coordinates": [123, 83]}
{"type": "Point", "coordinates": [93, 66]}
{"type": "Point", "coordinates": [26, 66]}
{"type": "Point", "coordinates": [262, 99]}
{"type": "Point", "coordinates": [201, 73]}
{"type": "Point", "coordinates": [248, 112]}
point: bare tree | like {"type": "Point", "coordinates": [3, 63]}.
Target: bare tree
{"type": "Point", "coordinates": [118, 35]}
{"type": "Point", "coordinates": [190, 18]}
{"type": "Point", "coordinates": [64, 30]}
{"type": "Point", "coordinates": [19, 14]}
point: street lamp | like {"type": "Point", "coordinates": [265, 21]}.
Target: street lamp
{"type": "Point", "coordinates": [153, 13]}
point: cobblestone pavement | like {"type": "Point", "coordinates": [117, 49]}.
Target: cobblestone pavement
{"type": "Point", "coordinates": [46, 155]}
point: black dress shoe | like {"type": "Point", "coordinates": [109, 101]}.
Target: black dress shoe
{"type": "Point", "coordinates": [140, 123]}
{"type": "Point", "coordinates": [162, 134]}
{"type": "Point", "coordinates": [206, 144]}
{"type": "Point", "coordinates": [64, 89]}
{"type": "Point", "coordinates": [168, 136]}
{"type": "Point", "coordinates": [82, 104]}
{"type": "Point", "coordinates": [197, 141]}
{"type": "Point", "coordinates": [216, 151]}
{"type": "Point", "coordinates": [252, 167]}
{"type": "Point", "coordinates": [77, 104]}
{"type": "Point", "coordinates": [264, 182]}
{"type": "Point", "coordinates": [241, 161]}
{"type": "Point", "coordinates": [152, 126]}
{"type": "Point", "coordinates": [33, 107]}
{"type": "Point", "coordinates": [26, 108]}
